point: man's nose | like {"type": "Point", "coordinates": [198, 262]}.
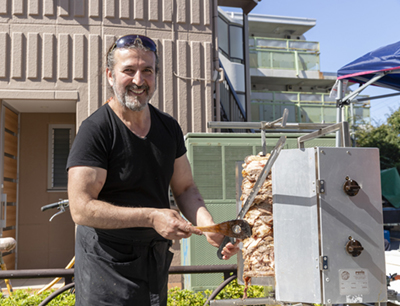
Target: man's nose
{"type": "Point", "coordinates": [138, 78]}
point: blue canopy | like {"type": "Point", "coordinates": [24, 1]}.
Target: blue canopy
{"type": "Point", "coordinates": [383, 60]}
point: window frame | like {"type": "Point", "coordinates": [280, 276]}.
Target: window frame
{"type": "Point", "coordinates": [50, 159]}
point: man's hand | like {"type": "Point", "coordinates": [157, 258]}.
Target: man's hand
{"type": "Point", "coordinates": [229, 250]}
{"type": "Point", "coordinates": [170, 224]}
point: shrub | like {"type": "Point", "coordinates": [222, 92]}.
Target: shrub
{"type": "Point", "coordinates": [176, 296]}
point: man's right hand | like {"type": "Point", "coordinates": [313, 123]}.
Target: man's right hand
{"type": "Point", "coordinates": [170, 224]}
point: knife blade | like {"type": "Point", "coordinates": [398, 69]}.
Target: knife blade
{"type": "Point", "coordinates": [253, 193]}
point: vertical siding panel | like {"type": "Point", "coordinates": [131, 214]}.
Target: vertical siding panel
{"type": "Point", "coordinates": [196, 87]}
{"type": "Point", "coordinates": [33, 7]}
{"type": "Point", "coordinates": [64, 8]}
{"type": "Point", "coordinates": [194, 11]}
{"type": "Point", "coordinates": [3, 6]}
{"type": "Point", "coordinates": [167, 11]}
{"type": "Point", "coordinates": [16, 53]}
{"type": "Point", "coordinates": [109, 8]}
{"type": "Point", "coordinates": [168, 80]}
{"type": "Point", "coordinates": [209, 103]}
{"type": "Point", "coordinates": [153, 10]}
{"type": "Point", "coordinates": [63, 56]}
{"type": "Point", "coordinates": [48, 55]}
{"type": "Point", "coordinates": [18, 7]}
{"type": "Point", "coordinates": [182, 86]}
{"type": "Point", "coordinates": [207, 13]}
{"type": "Point", "coordinates": [48, 7]}
{"type": "Point", "coordinates": [79, 8]}
{"type": "Point", "coordinates": [157, 97]}
{"type": "Point", "coordinates": [138, 10]}
{"type": "Point", "coordinates": [94, 8]}
{"type": "Point", "coordinates": [108, 41]}
{"type": "Point", "coordinates": [78, 56]}
{"type": "Point", "coordinates": [94, 68]}
{"type": "Point", "coordinates": [124, 9]}
{"type": "Point", "coordinates": [181, 11]}
{"type": "Point", "coordinates": [3, 55]}
{"type": "Point", "coordinates": [33, 55]}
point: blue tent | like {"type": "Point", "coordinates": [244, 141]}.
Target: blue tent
{"type": "Point", "coordinates": [384, 61]}
{"type": "Point", "coordinates": [380, 67]}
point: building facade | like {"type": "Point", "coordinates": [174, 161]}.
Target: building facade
{"type": "Point", "coordinates": [52, 78]}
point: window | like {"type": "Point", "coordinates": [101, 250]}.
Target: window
{"type": "Point", "coordinates": [61, 137]}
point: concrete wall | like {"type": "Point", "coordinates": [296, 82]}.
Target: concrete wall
{"type": "Point", "coordinates": [55, 50]}
{"type": "Point", "coordinates": [51, 59]}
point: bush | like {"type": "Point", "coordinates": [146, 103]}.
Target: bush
{"type": "Point", "coordinates": [176, 296]}
{"type": "Point", "coordinates": [31, 298]}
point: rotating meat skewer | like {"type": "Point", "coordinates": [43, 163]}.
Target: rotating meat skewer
{"type": "Point", "coordinates": [263, 175]}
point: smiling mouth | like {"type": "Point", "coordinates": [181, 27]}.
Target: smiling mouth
{"type": "Point", "coordinates": [138, 91]}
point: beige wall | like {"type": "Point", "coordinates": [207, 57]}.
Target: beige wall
{"type": "Point", "coordinates": [41, 244]}
{"type": "Point", "coordinates": [54, 50]}
{"type": "Point", "coordinates": [51, 61]}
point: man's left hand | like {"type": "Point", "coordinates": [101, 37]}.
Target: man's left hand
{"type": "Point", "coordinates": [229, 250]}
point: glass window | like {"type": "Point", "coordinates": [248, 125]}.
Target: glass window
{"type": "Point", "coordinates": [60, 141]}
{"type": "Point", "coordinates": [223, 38]}
{"type": "Point", "coordinates": [236, 42]}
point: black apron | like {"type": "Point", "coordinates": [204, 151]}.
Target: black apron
{"type": "Point", "coordinates": [115, 271]}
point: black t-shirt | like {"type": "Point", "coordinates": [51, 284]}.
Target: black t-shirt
{"type": "Point", "coordinates": [139, 170]}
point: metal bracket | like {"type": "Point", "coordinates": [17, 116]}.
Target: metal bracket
{"type": "Point", "coordinates": [324, 262]}
{"type": "Point", "coordinates": [321, 186]}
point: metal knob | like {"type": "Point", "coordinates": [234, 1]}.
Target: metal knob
{"type": "Point", "coordinates": [351, 187]}
{"type": "Point", "coordinates": [353, 247]}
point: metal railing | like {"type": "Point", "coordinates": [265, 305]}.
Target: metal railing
{"type": "Point", "coordinates": [274, 53]}
{"type": "Point", "coordinates": [69, 273]}
{"type": "Point", "coordinates": [231, 107]}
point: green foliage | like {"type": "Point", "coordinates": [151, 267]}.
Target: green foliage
{"type": "Point", "coordinates": [31, 298]}
{"type": "Point", "coordinates": [176, 296]}
{"type": "Point", "coordinates": [384, 137]}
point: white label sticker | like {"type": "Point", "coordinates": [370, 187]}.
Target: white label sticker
{"type": "Point", "coordinates": [353, 283]}
{"type": "Point", "coordinates": [354, 298]}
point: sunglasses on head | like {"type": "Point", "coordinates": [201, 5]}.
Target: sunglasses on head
{"type": "Point", "coordinates": [129, 40]}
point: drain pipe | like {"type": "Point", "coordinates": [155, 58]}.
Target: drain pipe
{"type": "Point", "coordinates": [216, 62]}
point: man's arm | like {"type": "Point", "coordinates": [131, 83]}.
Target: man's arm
{"type": "Point", "coordinates": [84, 186]}
{"type": "Point", "coordinates": [191, 203]}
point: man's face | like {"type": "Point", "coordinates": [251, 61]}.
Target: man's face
{"type": "Point", "coordinates": [133, 78]}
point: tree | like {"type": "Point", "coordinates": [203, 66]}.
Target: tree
{"type": "Point", "coordinates": [384, 137]}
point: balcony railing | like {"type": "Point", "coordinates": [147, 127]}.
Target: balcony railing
{"type": "Point", "coordinates": [231, 107]}
{"type": "Point", "coordinates": [303, 107]}
{"type": "Point", "coordinates": [274, 53]}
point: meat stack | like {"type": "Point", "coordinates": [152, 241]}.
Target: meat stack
{"type": "Point", "coordinates": [258, 250]}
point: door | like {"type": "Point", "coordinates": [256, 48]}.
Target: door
{"type": "Point", "coordinates": [9, 179]}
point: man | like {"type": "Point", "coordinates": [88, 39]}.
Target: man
{"type": "Point", "coordinates": [123, 160]}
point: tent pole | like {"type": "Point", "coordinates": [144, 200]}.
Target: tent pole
{"type": "Point", "coordinates": [339, 96]}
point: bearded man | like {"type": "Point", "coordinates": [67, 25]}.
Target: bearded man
{"type": "Point", "coordinates": [123, 161]}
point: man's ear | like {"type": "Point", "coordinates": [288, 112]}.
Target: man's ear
{"type": "Point", "coordinates": [109, 77]}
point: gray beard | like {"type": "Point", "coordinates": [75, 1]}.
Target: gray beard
{"type": "Point", "coordinates": [131, 103]}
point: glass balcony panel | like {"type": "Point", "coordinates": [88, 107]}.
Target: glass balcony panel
{"type": "Point", "coordinates": [303, 45]}
{"type": "Point", "coordinates": [308, 61]}
{"type": "Point", "coordinates": [283, 60]}
{"type": "Point", "coordinates": [223, 37]}
{"type": "Point", "coordinates": [311, 114]}
{"type": "Point", "coordinates": [236, 42]}
{"type": "Point", "coordinates": [310, 98]}
{"type": "Point", "coordinates": [271, 43]}
{"type": "Point", "coordinates": [286, 96]}
{"type": "Point", "coordinates": [329, 113]}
